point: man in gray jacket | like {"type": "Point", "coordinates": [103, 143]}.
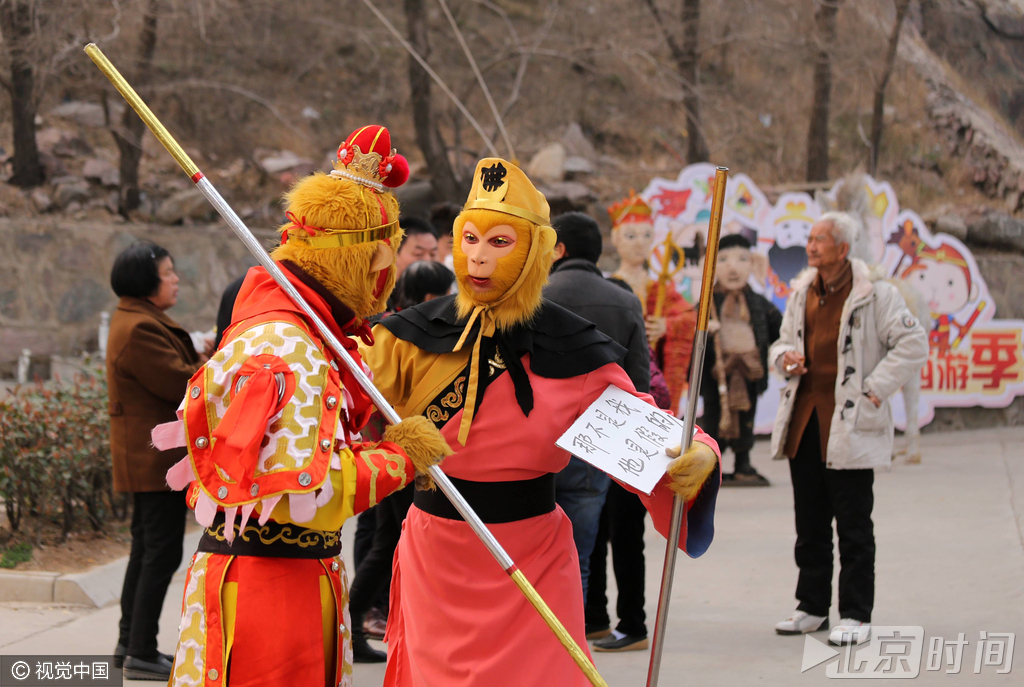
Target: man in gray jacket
{"type": "Point", "coordinates": [577, 285]}
{"type": "Point", "coordinates": [847, 344]}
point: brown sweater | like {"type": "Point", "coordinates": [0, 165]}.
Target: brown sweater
{"type": "Point", "coordinates": [817, 390]}
{"type": "Point", "coordinates": [150, 359]}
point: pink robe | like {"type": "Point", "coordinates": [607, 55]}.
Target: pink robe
{"type": "Point", "coordinates": [456, 618]}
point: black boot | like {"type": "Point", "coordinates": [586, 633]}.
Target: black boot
{"type": "Point", "coordinates": [362, 652]}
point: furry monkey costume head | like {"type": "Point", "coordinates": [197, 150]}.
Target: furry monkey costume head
{"type": "Point", "coordinates": [503, 248]}
{"type": "Point", "coordinates": [343, 226]}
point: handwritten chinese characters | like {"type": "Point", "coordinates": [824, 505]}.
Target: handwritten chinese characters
{"type": "Point", "coordinates": [625, 437]}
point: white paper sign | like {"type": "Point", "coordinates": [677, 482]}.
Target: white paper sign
{"type": "Point", "coordinates": [625, 437]}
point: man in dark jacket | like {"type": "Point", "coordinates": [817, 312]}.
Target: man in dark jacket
{"type": "Point", "coordinates": [577, 284]}
{"type": "Point", "coordinates": [735, 371]}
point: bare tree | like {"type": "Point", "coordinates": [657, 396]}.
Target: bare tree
{"type": "Point", "coordinates": [817, 133]}
{"type": "Point", "coordinates": [688, 63]}
{"type": "Point", "coordinates": [16, 28]}
{"type": "Point", "coordinates": [443, 177]}
{"type": "Point", "coordinates": [877, 117]}
{"type": "Point", "coordinates": [129, 135]}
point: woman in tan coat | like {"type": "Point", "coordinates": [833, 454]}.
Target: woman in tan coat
{"type": "Point", "coordinates": [150, 359]}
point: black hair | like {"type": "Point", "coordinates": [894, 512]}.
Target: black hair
{"type": "Point", "coordinates": [417, 225]}
{"type": "Point", "coordinates": [734, 241]}
{"type": "Point", "coordinates": [693, 254]}
{"type": "Point", "coordinates": [580, 234]}
{"type": "Point", "coordinates": [136, 272]}
{"type": "Point", "coordinates": [421, 279]}
{"type": "Point", "coordinates": [443, 215]}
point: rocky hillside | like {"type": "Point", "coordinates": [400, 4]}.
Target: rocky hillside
{"type": "Point", "coordinates": [263, 91]}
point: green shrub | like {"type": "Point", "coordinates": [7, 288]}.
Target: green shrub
{"type": "Point", "coordinates": [55, 454]}
{"type": "Point", "coordinates": [18, 553]}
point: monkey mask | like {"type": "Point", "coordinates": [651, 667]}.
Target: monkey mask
{"type": "Point", "coordinates": [343, 227]}
{"type": "Point", "coordinates": [503, 249]}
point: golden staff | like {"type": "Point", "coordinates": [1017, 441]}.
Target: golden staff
{"type": "Point", "coordinates": [667, 273]}
{"type": "Point", "coordinates": [442, 481]}
{"type": "Point", "coordinates": [707, 285]}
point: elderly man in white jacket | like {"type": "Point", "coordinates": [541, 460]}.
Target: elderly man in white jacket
{"type": "Point", "coordinates": [847, 343]}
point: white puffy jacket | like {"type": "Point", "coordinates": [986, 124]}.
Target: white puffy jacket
{"type": "Point", "coordinates": [881, 347]}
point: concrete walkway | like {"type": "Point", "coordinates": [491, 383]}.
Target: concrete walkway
{"type": "Point", "coordinates": [950, 559]}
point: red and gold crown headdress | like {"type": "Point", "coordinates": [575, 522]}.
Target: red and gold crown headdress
{"type": "Point", "coordinates": [632, 209]}
{"type": "Point", "coordinates": [365, 158]}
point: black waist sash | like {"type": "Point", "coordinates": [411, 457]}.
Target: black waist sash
{"type": "Point", "coordinates": [494, 502]}
{"type": "Point", "coordinates": [275, 540]}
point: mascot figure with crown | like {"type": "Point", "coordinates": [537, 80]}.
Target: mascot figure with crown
{"type": "Point", "coordinates": [503, 374]}
{"type": "Point", "coordinates": [670, 332]}
{"type": "Point", "coordinates": [272, 422]}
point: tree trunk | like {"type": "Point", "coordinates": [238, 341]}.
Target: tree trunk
{"type": "Point", "coordinates": [817, 134]}
{"type": "Point", "coordinates": [129, 135]}
{"type": "Point", "coordinates": [689, 69]}
{"type": "Point", "coordinates": [878, 115]}
{"type": "Point", "coordinates": [16, 27]}
{"type": "Point", "coordinates": [442, 175]}
{"type": "Point", "coordinates": [688, 63]}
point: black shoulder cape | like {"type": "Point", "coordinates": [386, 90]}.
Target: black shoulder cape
{"type": "Point", "coordinates": [561, 344]}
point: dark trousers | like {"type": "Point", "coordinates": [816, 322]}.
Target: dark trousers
{"type": "Point", "coordinates": [622, 524]}
{"type": "Point", "coordinates": [580, 491]}
{"type": "Point", "coordinates": [819, 495]}
{"type": "Point", "coordinates": [158, 526]}
{"type": "Point", "coordinates": [366, 523]}
{"type": "Point", "coordinates": [740, 446]}
{"type": "Point", "coordinates": [373, 574]}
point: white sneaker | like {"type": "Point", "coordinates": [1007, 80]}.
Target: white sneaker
{"type": "Point", "coordinates": [801, 623]}
{"type": "Point", "coordinates": [850, 631]}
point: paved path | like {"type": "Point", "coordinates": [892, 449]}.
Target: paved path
{"type": "Point", "coordinates": [950, 559]}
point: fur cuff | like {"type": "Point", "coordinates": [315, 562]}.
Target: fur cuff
{"type": "Point", "coordinates": [688, 473]}
{"type": "Point", "coordinates": [420, 440]}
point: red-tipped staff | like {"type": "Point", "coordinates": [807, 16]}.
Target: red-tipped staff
{"type": "Point", "coordinates": [243, 233]}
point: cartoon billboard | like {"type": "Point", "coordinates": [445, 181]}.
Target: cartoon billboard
{"type": "Point", "coordinates": [975, 359]}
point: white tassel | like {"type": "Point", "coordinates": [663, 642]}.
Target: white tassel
{"type": "Point", "coordinates": [302, 507]}
{"type": "Point", "coordinates": [169, 435]}
{"type": "Point", "coordinates": [229, 523]}
{"type": "Point", "coordinates": [246, 512]}
{"type": "Point", "coordinates": [206, 510]}
{"type": "Point", "coordinates": [266, 508]}
{"type": "Point", "coordinates": [180, 474]}
{"type": "Point", "coordinates": [326, 492]}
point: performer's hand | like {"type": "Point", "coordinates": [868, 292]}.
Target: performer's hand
{"type": "Point", "coordinates": [656, 327]}
{"type": "Point", "coordinates": [793, 363]}
{"type": "Point", "coordinates": [714, 326]}
{"type": "Point", "coordinates": [423, 443]}
{"type": "Point", "coordinates": [690, 471]}
{"type": "Point", "coordinates": [874, 399]}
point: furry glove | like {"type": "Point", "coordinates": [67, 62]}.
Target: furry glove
{"type": "Point", "coordinates": [423, 443]}
{"type": "Point", "coordinates": [690, 471]}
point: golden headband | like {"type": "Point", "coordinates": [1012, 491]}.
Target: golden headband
{"type": "Point", "coordinates": [340, 238]}
{"type": "Point", "coordinates": [498, 206]}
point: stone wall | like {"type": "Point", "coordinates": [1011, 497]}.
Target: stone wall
{"type": "Point", "coordinates": [55, 279]}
